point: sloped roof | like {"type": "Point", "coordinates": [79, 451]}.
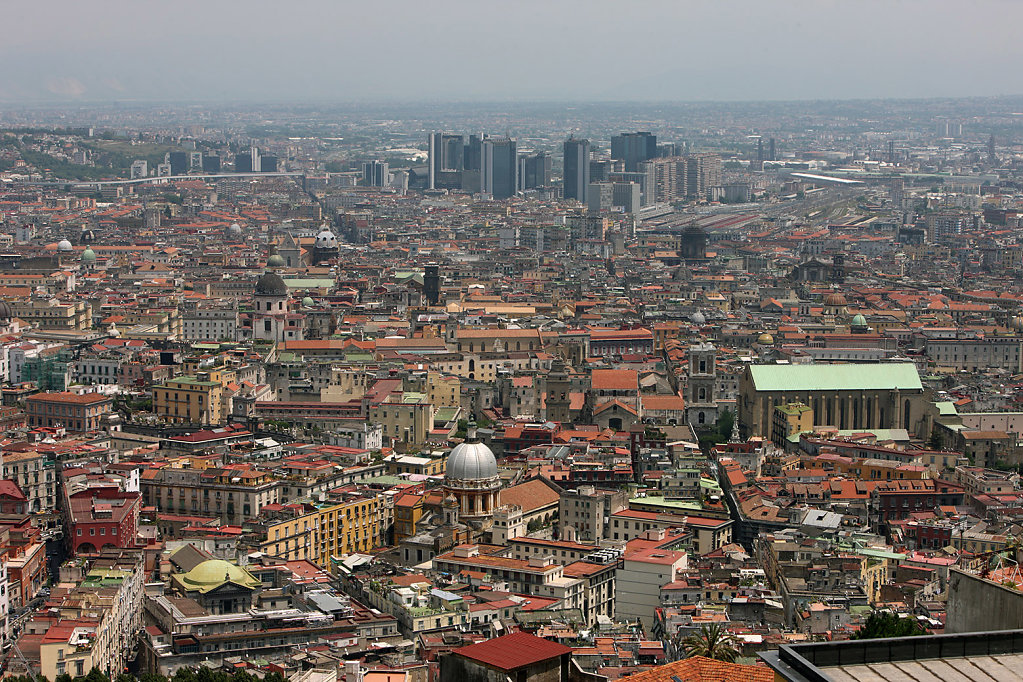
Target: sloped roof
{"type": "Point", "coordinates": [530, 495]}
{"type": "Point", "coordinates": [700, 669]}
{"type": "Point", "coordinates": [513, 651]}
{"type": "Point", "coordinates": [852, 377]}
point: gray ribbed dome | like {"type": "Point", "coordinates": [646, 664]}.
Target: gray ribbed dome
{"type": "Point", "coordinates": [326, 239]}
{"type": "Point", "coordinates": [6, 312]}
{"type": "Point", "coordinates": [471, 461]}
{"type": "Point", "coordinates": [271, 284]}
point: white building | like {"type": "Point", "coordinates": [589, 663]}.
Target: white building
{"type": "Point", "coordinates": [639, 581]}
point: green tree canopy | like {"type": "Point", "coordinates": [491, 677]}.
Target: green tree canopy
{"type": "Point", "coordinates": [882, 624]}
{"type": "Point", "coordinates": [713, 641]}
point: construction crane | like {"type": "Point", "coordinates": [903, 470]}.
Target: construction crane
{"type": "Point", "coordinates": [29, 670]}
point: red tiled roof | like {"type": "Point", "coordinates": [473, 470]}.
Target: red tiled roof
{"type": "Point", "coordinates": [700, 669]}
{"type": "Point", "coordinates": [513, 651]}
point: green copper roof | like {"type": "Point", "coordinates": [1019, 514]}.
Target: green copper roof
{"type": "Point", "coordinates": [213, 573]}
{"type": "Point", "coordinates": [853, 377]}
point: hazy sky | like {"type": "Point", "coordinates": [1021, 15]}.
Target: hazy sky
{"type": "Point", "coordinates": [455, 50]}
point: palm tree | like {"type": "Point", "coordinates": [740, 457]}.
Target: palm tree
{"type": "Point", "coordinates": [711, 642]}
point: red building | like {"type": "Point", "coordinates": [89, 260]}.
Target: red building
{"type": "Point", "coordinates": [102, 517]}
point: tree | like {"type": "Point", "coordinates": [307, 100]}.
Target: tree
{"type": "Point", "coordinates": [96, 675]}
{"type": "Point", "coordinates": [725, 423]}
{"type": "Point", "coordinates": [883, 624]}
{"type": "Point", "coordinates": [713, 641]}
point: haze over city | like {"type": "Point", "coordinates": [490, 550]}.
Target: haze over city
{"type": "Point", "coordinates": [455, 50]}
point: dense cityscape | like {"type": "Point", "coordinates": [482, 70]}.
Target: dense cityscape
{"type": "Point", "coordinates": [523, 392]}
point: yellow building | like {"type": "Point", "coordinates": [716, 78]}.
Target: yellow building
{"type": "Point", "coordinates": [408, 510]}
{"type": "Point", "coordinates": [49, 313]}
{"type": "Point", "coordinates": [189, 400]}
{"type": "Point", "coordinates": [443, 391]}
{"type": "Point", "coordinates": [409, 421]}
{"type": "Point", "coordinates": [789, 419]}
{"type": "Point", "coordinates": [334, 530]}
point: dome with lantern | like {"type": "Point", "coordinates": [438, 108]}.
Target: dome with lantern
{"type": "Point", "coordinates": [765, 339]}
{"type": "Point", "coordinates": [271, 284]}
{"type": "Point", "coordinates": [88, 256]}
{"type": "Point", "coordinates": [835, 298]}
{"type": "Point", "coordinates": [326, 239]}
{"type": "Point", "coordinates": [470, 476]}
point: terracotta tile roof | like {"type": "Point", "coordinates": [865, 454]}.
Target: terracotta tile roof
{"type": "Point", "coordinates": [530, 495]}
{"type": "Point", "coordinates": [513, 651]}
{"type": "Point", "coordinates": [700, 669]}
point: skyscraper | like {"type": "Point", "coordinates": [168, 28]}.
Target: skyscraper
{"type": "Point", "coordinates": [243, 163]}
{"type": "Point", "coordinates": [446, 160]}
{"type": "Point", "coordinates": [499, 167]}
{"type": "Point", "coordinates": [577, 169]}
{"type": "Point", "coordinates": [633, 149]}
{"type": "Point", "coordinates": [210, 164]}
{"type": "Point", "coordinates": [375, 173]}
{"type": "Point", "coordinates": [178, 162]}
{"type": "Point", "coordinates": [534, 170]}
{"type": "Point", "coordinates": [703, 171]}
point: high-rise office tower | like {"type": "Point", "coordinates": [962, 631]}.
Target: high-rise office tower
{"type": "Point", "coordinates": [627, 195]}
{"type": "Point", "coordinates": [770, 150]}
{"type": "Point", "coordinates": [577, 169]}
{"type": "Point", "coordinates": [243, 163]}
{"type": "Point", "coordinates": [375, 173]}
{"type": "Point", "coordinates": [600, 171]}
{"type": "Point", "coordinates": [178, 162]}
{"type": "Point", "coordinates": [760, 149]}
{"type": "Point", "coordinates": [472, 154]}
{"type": "Point", "coordinates": [534, 170]}
{"type": "Point", "coordinates": [633, 149]}
{"type": "Point", "coordinates": [267, 164]}
{"type": "Point", "coordinates": [668, 149]}
{"type": "Point", "coordinates": [446, 160]}
{"type": "Point", "coordinates": [210, 164]}
{"type": "Point", "coordinates": [499, 167]}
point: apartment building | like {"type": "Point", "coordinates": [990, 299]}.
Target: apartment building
{"type": "Point", "coordinates": [189, 400]}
